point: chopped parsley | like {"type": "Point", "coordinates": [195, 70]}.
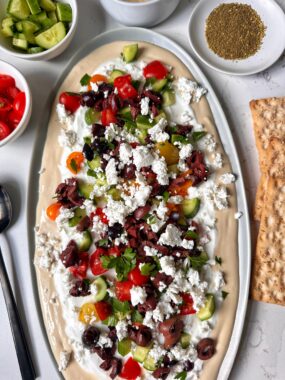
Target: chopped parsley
{"type": "Point", "coordinates": [148, 269]}
{"type": "Point", "coordinates": [74, 165]}
{"type": "Point", "coordinates": [181, 375]}
{"type": "Point", "coordinates": [197, 262]}
{"type": "Point", "coordinates": [122, 264]}
{"type": "Point", "coordinates": [84, 81]}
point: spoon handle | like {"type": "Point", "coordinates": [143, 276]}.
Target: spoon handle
{"type": "Point", "coordinates": [24, 358]}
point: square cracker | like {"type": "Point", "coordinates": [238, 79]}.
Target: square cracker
{"type": "Point", "coordinates": [260, 196]}
{"type": "Point", "coordinates": [268, 274]}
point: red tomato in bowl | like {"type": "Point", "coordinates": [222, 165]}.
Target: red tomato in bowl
{"type": "Point", "coordinates": [155, 69]}
{"type": "Point", "coordinates": [71, 102]}
{"type": "Point", "coordinates": [95, 261]}
{"type": "Point", "coordinates": [6, 81]}
{"type": "Point", "coordinates": [5, 130]}
{"type": "Point", "coordinates": [12, 92]}
{"type": "Point", "coordinates": [5, 107]}
{"type": "Point", "coordinates": [136, 277]}
{"type": "Point", "coordinates": [123, 290]}
{"type": "Point", "coordinates": [19, 104]}
{"type": "Point", "coordinates": [131, 370]}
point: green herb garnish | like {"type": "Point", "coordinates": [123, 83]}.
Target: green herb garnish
{"type": "Point", "coordinates": [84, 81]}
{"type": "Point", "coordinates": [196, 136]}
{"type": "Point", "coordinates": [122, 264]}
{"type": "Point", "coordinates": [165, 196]}
{"type": "Point", "coordinates": [181, 375]}
{"type": "Point", "coordinates": [191, 234]}
{"type": "Point", "coordinates": [197, 262]}
{"type": "Point", "coordinates": [137, 317]}
{"type": "Point", "coordinates": [148, 269]}
{"type": "Point", "coordinates": [103, 242]}
{"type": "Point", "coordinates": [74, 165]}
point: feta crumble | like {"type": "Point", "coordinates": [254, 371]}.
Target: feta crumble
{"type": "Point", "coordinates": [138, 295]}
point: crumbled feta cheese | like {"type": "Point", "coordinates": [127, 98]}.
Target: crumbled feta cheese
{"type": "Point", "coordinates": [111, 172]}
{"type": "Point", "coordinates": [93, 289]}
{"type": "Point", "coordinates": [159, 167]}
{"type": "Point", "coordinates": [189, 90]}
{"type": "Point", "coordinates": [162, 311]}
{"type": "Point", "coordinates": [145, 106]}
{"type": "Point", "coordinates": [227, 178]}
{"type": "Point", "coordinates": [116, 211]}
{"type": "Point", "coordinates": [122, 329]}
{"type": "Point", "coordinates": [148, 321]}
{"type": "Point", "coordinates": [62, 114]}
{"type": "Point", "coordinates": [187, 117]}
{"type": "Point", "coordinates": [67, 138]}
{"type": "Point", "coordinates": [94, 86]}
{"type": "Point", "coordinates": [106, 94]}
{"type": "Point", "coordinates": [150, 251]}
{"type": "Point", "coordinates": [157, 352]}
{"type": "Point", "coordinates": [219, 281]}
{"type": "Point", "coordinates": [138, 295]}
{"type": "Point", "coordinates": [64, 358]}
{"type": "Point", "coordinates": [89, 206]}
{"type": "Point", "coordinates": [63, 217]}
{"type": "Point", "coordinates": [207, 143]}
{"type": "Point", "coordinates": [157, 131]}
{"type": "Point", "coordinates": [125, 153]}
{"type": "Point", "coordinates": [175, 199]}
{"type": "Point", "coordinates": [104, 341]}
{"type": "Point", "coordinates": [112, 131]}
{"type": "Point", "coordinates": [238, 214]}
{"type": "Point", "coordinates": [167, 264]}
{"type": "Point", "coordinates": [180, 353]}
{"type": "Point", "coordinates": [218, 195]}
{"type": "Point", "coordinates": [171, 236]}
{"type": "Point", "coordinates": [185, 151]}
{"type": "Point", "coordinates": [142, 157]}
{"type": "Point", "coordinates": [162, 210]}
{"type": "Point", "coordinates": [98, 229]}
{"type": "Point", "coordinates": [218, 160]}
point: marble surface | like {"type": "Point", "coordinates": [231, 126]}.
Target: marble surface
{"type": "Point", "coordinates": [262, 350]}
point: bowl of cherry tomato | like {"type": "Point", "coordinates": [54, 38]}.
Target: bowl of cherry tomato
{"type": "Point", "coordinates": [15, 103]}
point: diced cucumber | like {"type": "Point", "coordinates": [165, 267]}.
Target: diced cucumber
{"type": "Point", "coordinates": [40, 17]}
{"type": "Point", "coordinates": [208, 309]}
{"type": "Point", "coordinates": [52, 36]}
{"type": "Point", "coordinates": [21, 36]}
{"type": "Point", "coordinates": [47, 5]}
{"type": "Point", "coordinates": [8, 27]}
{"type": "Point", "coordinates": [124, 346]}
{"type": "Point", "coordinates": [130, 126]}
{"type": "Point", "coordinates": [101, 287]}
{"type": "Point", "coordinates": [79, 213]}
{"type": "Point", "coordinates": [18, 9]}
{"type": "Point", "coordinates": [190, 207]}
{"type": "Point", "coordinates": [161, 115]}
{"type": "Point", "coordinates": [85, 243]}
{"type": "Point", "coordinates": [95, 163]}
{"type": "Point", "coordinates": [85, 189]}
{"type": "Point", "coordinates": [143, 122]}
{"type": "Point", "coordinates": [141, 135]}
{"type": "Point", "coordinates": [64, 12]}
{"type": "Point", "coordinates": [125, 113]}
{"type": "Point", "coordinates": [185, 340]}
{"type": "Point", "coordinates": [150, 364]}
{"type": "Point", "coordinates": [19, 26]}
{"type": "Point", "coordinates": [115, 74]}
{"type": "Point", "coordinates": [140, 353]}
{"type": "Point", "coordinates": [130, 52]}
{"type": "Point", "coordinates": [159, 84]}
{"type": "Point", "coordinates": [115, 194]}
{"type": "Point", "coordinates": [20, 43]}
{"type": "Point", "coordinates": [30, 27]}
{"type": "Point", "coordinates": [48, 23]}
{"type": "Point", "coordinates": [35, 50]}
{"type": "Point", "coordinates": [52, 16]}
{"type": "Point", "coordinates": [92, 116]}
{"type": "Point", "coordinates": [168, 98]}
{"type": "Point", "coordinates": [101, 179]}
{"type": "Point", "coordinates": [34, 6]}
{"type": "Point", "coordinates": [179, 138]}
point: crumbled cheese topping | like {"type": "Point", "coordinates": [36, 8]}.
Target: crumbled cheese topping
{"type": "Point", "coordinates": [189, 90]}
{"type": "Point", "coordinates": [64, 359]}
{"type": "Point", "coordinates": [227, 178]}
{"type": "Point", "coordinates": [122, 329]}
{"type": "Point", "coordinates": [138, 295]}
{"type": "Point", "coordinates": [145, 106]}
{"type": "Point", "coordinates": [111, 172]}
{"type": "Point", "coordinates": [157, 133]}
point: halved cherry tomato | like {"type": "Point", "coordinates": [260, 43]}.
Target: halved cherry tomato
{"type": "Point", "coordinates": [99, 212]}
{"type": "Point", "coordinates": [12, 92]}
{"type": "Point", "coordinates": [136, 277]}
{"type": "Point", "coordinates": [79, 270]}
{"type": "Point", "coordinates": [114, 251]}
{"type": "Point", "coordinates": [4, 130]}
{"type": "Point", "coordinates": [74, 162]}
{"type": "Point", "coordinates": [71, 102]}
{"type": "Point", "coordinates": [131, 370]}
{"type": "Point", "coordinates": [155, 69]}
{"type": "Point", "coordinates": [108, 117]}
{"type": "Point", "coordinates": [187, 306]}
{"type": "Point", "coordinates": [123, 290]}
{"type": "Point", "coordinates": [19, 104]}
{"type": "Point", "coordinates": [181, 189]}
{"type": "Point", "coordinates": [5, 82]}
{"type": "Point", "coordinates": [96, 263]}
{"type": "Point", "coordinates": [5, 107]}
{"type": "Point", "coordinates": [97, 78]}
{"type": "Point", "coordinates": [103, 309]}
{"type": "Point", "coordinates": [53, 210]}
{"type": "Point", "coordinates": [13, 118]}
{"type": "Point", "coordinates": [125, 88]}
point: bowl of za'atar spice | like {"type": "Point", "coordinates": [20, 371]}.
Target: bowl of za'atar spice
{"type": "Point", "coordinates": [238, 38]}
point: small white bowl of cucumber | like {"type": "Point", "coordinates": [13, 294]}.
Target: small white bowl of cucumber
{"type": "Point", "coordinates": [37, 29]}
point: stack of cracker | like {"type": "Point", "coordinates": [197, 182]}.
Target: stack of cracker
{"type": "Point", "coordinates": [268, 275]}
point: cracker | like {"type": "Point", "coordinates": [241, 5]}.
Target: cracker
{"type": "Point", "coordinates": [269, 121]}
{"type": "Point", "coordinates": [268, 274]}
{"type": "Point", "coordinates": [260, 196]}
{"type": "Point", "coordinates": [276, 158]}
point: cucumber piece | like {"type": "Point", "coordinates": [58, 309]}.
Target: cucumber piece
{"type": "Point", "coordinates": [64, 12]}
{"type": "Point", "coordinates": [29, 28]}
{"type": "Point", "coordinates": [208, 309]}
{"type": "Point", "coordinates": [79, 213]}
{"type": "Point", "coordinates": [92, 116]}
{"type": "Point", "coordinates": [8, 27]}
{"type": "Point", "coordinates": [35, 50]}
{"type": "Point", "coordinates": [20, 43]}
{"type": "Point", "coordinates": [150, 364]}
{"type": "Point", "coordinates": [115, 194]}
{"type": "Point", "coordinates": [125, 113]}
{"type": "Point", "coordinates": [85, 242]}
{"type": "Point", "coordinates": [40, 17]}
{"type": "Point", "coordinates": [34, 6]}
{"type": "Point", "coordinates": [159, 84]}
{"type": "Point", "coordinates": [190, 207]}
{"type": "Point", "coordinates": [18, 9]}
{"type": "Point", "coordinates": [143, 122]}
{"type": "Point", "coordinates": [101, 286]}
{"type": "Point", "coordinates": [52, 36]}
{"type": "Point", "coordinates": [185, 340]}
{"type": "Point", "coordinates": [85, 189]}
{"type": "Point", "coordinates": [115, 74]}
{"type": "Point", "coordinates": [178, 138]}
{"type": "Point", "coordinates": [140, 353]}
{"type": "Point", "coordinates": [124, 346]}
{"type": "Point", "coordinates": [168, 98]}
{"type": "Point", "coordinates": [101, 179]}
{"type": "Point", "coordinates": [95, 163]}
{"type": "Point", "coordinates": [52, 16]}
{"type": "Point", "coordinates": [48, 23]}
{"type": "Point", "coordinates": [161, 115]}
{"type": "Point", "coordinates": [20, 36]}
{"type": "Point", "coordinates": [19, 26]}
{"type": "Point", "coordinates": [141, 135]}
{"type": "Point", "coordinates": [47, 5]}
{"type": "Point", "coordinates": [130, 52]}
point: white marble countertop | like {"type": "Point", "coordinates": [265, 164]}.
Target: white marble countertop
{"type": "Point", "coordinates": [262, 350]}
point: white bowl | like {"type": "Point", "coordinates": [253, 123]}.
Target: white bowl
{"type": "Point", "coordinates": [140, 13]}
{"type": "Point", "coordinates": [21, 83]}
{"type": "Point", "coordinates": [6, 45]}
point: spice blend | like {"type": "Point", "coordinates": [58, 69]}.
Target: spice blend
{"type": "Point", "coordinates": [234, 31]}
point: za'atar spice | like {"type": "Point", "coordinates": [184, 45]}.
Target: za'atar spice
{"type": "Point", "coordinates": [234, 31]}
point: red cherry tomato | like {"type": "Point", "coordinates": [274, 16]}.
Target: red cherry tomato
{"type": "Point", "coordinates": [4, 130]}
{"type": "Point", "coordinates": [5, 107]}
{"type": "Point", "coordinates": [131, 370]}
{"type": "Point", "coordinates": [71, 102]}
{"type": "Point", "coordinates": [12, 92]}
{"type": "Point", "coordinates": [79, 270]}
{"type": "Point", "coordinates": [19, 104]}
{"type": "Point", "coordinates": [95, 261]}
{"type": "Point", "coordinates": [108, 117]}
{"type": "Point", "coordinates": [99, 212]}
{"type": "Point", "coordinates": [136, 277]}
{"type": "Point", "coordinates": [103, 309]}
{"type": "Point", "coordinates": [13, 119]}
{"type": "Point", "coordinates": [123, 290]}
{"type": "Point", "coordinates": [5, 82]}
{"type": "Point", "coordinates": [114, 251]}
{"type": "Point", "coordinates": [155, 69]}
{"type": "Point", "coordinates": [125, 88]}
{"type": "Point", "coordinates": [187, 306]}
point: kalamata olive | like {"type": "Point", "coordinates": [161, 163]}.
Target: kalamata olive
{"type": "Point", "coordinates": [174, 216]}
{"type": "Point", "coordinates": [84, 224]}
{"type": "Point", "coordinates": [183, 129]}
{"type": "Point", "coordinates": [106, 365]}
{"type": "Point", "coordinates": [206, 348]}
{"type": "Point", "coordinates": [115, 230]}
{"type": "Point", "coordinates": [149, 304]}
{"type": "Point", "coordinates": [162, 278]}
{"type": "Point", "coordinates": [195, 252]}
{"type": "Point", "coordinates": [141, 335]}
{"type": "Point", "coordinates": [104, 352]}
{"type": "Point", "coordinates": [116, 367]}
{"type": "Point", "coordinates": [80, 288]}
{"type": "Point", "coordinates": [161, 373]}
{"type": "Point", "coordinates": [90, 337]}
{"type": "Point", "coordinates": [70, 256]}
{"type": "Point", "coordinates": [129, 171]}
{"type": "Point", "coordinates": [100, 146]}
{"type": "Point", "coordinates": [188, 365]}
{"type": "Point", "coordinates": [88, 99]}
{"type": "Point", "coordinates": [88, 152]}
{"type": "Point", "coordinates": [112, 334]}
{"type": "Point", "coordinates": [142, 211]}
{"type": "Point", "coordinates": [98, 130]}
{"type": "Point", "coordinates": [171, 329]}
